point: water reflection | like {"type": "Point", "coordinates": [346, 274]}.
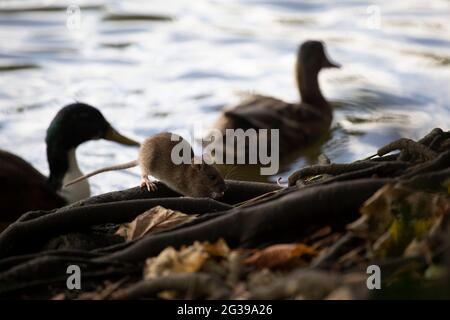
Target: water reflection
{"type": "Point", "coordinates": [167, 65]}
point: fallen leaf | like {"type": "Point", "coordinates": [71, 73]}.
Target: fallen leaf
{"type": "Point", "coordinates": [187, 259]}
{"type": "Point", "coordinates": [395, 218]}
{"type": "Point", "coordinates": [155, 219]}
{"type": "Point", "coordinates": [341, 293]}
{"type": "Point", "coordinates": [372, 225]}
{"type": "Point", "coordinates": [279, 255]}
{"type": "Point", "coordinates": [217, 249]}
{"type": "Point", "coordinates": [435, 272]}
{"type": "Point", "coordinates": [59, 296]}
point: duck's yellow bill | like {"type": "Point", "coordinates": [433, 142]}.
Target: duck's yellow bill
{"type": "Point", "coordinates": [113, 135]}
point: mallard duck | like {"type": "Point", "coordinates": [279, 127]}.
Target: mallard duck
{"type": "Point", "coordinates": [299, 123]}
{"type": "Point", "coordinates": [23, 188]}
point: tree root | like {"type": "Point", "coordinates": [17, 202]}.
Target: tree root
{"type": "Point", "coordinates": [426, 141]}
{"type": "Point", "coordinates": [194, 285]}
{"type": "Point", "coordinates": [10, 262]}
{"type": "Point", "coordinates": [333, 169]}
{"type": "Point", "coordinates": [16, 237]}
{"type": "Point", "coordinates": [426, 155]}
{"type": "Point", "coordinates": [46, 270]}
{"type": "Point", "coordinates": [440, 162]}
{"type": "Point", "coordinates": [408, 146]}
{"type": "Point", "coordinates": [344, 172]}
{"type": "Point", "coordinates": [429, 181]}
{"type": "Point", "coordinates": [308, 284]}
{"type": "Point", "coordinates": [115, 207]}
{"type": "Point", "coordinates": [237, 191]}
{"type": "Point", "coordinates": [263, 223]}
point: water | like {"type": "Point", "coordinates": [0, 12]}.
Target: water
{"type": "Point", "coordinates": [154, 66]}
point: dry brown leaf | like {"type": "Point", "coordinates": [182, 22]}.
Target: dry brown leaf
{"type": "Point", "coordinates": [187, 259]}
{"type": "Point", "coordinates": [217, 249]}
{"type": "Point", "coordinates": [341, 293]}
{"type": "Point", "coordinates": [376, 214]}
{"type": "Point", "coordinates": [171, 261]}
{"type": "Point", "coordinates": [59, 296]}
{"type": "Point", "coordinates": [155, 219]}
{"type": "Point", "coordinates": [279, 255]}
{"type": "Point", "coordinates": [395, 216]}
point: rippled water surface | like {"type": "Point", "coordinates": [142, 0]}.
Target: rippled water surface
{"type": "Point", "coordinates": [166, 65]}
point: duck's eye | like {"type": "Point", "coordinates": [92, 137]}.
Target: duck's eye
{"type": "Point", "coordinates": [211, 177]}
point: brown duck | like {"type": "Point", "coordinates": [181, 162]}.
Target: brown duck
{"type": "Point", "coordinates": [300, 124]}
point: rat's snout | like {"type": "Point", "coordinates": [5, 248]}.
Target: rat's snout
{"type": "Point", "coordinates": [223, 187]}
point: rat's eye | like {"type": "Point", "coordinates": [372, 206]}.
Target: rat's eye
{"type": "Point", "coordinates": [211, 177]}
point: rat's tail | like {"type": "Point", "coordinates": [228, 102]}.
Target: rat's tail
{"type": "Point", "coordinates": [122, 166]}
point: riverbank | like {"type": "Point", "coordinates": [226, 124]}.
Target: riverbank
{"type": "Point", "coordinates": [375, 228]}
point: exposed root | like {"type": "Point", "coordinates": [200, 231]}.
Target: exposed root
{"type": "Point", "coordinates": [410, 147]}
{"type": "Point", "coordinates": [192, 285]}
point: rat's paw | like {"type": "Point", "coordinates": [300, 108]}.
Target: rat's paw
{"type": "Point", "coordinates": [151, 187]}
{"type": "Point", "coordinates": [146, 183]}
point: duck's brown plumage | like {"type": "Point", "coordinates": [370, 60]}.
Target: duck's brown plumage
{"type": "Point", "coordinates": [23, 188]}
{"type": "Point", "coordinates": [299, 123]}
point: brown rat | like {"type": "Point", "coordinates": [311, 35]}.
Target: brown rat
{"type": "Point", "coordinates": [155, 159]}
